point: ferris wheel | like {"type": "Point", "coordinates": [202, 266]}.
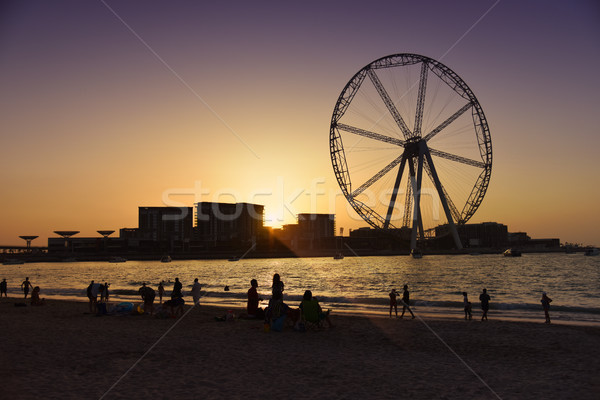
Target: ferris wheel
{"type": "Point", "coordinates": [410, 146]}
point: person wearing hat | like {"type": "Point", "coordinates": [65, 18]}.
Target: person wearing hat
{"type": "Point", "coordinates": [546, 305]}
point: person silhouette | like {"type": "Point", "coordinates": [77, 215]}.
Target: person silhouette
{"type": "Point", "coordinates": [406, 302]}
{"type": "Point", "coordinates": [393, 302]}
{"type": "Point", "coordinates": [3, 287]}
{"type": "Point", "coordinates": [25, 286]}
{"type": "Point", "coordinates": [484, 298]}
{"type": "Point", "coordinates": [546, 305]}
{"type": "Point", "coordinates": [467, 303]}
{"type": "Point", "coordinates": [161, 291]}
{"type": "Point", "coordinates": [177, 286]}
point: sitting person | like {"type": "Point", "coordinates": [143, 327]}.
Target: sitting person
{"type": "Point", "coordinates": [311, 310]}
{"type": "Point", "coordinates": [276, 312]}
{"type": "Point", "coordinates": [254, 311]}
{"type": "Point", "coordinates": [35, 297]}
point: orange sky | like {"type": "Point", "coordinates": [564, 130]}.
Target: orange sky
{"type": "Point", "coordinates": [102, 113]}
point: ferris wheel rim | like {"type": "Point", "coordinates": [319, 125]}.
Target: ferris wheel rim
{"type": "Point", "coordinates": [450, 78]}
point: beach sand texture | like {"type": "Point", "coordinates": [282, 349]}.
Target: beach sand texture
{"type": "Point", "coordinates": [61, 351]}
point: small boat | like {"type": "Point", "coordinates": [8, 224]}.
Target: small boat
{"type": "Point", "coordinates": [416, 253]}
{"type": "Point", "coordinates": [13, 261]}
{"type": "Point", "coordinates": [592, 252]}
{"type": "Point", "coordinates": [338, 256]}
{"type": "Point", "coordinates": [70, 259]}
{"type": "Point", "coordinates": [234, 258]}
{"type": "Point", "coordinates": [166, 259]}
{"type": "Point", "coordinates": [117, 260]}
{"type": "Point", "coordinates": [512, 253]}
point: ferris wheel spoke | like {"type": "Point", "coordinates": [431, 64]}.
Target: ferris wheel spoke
{"type": "Point", "coordinates": [370, 135]}
{"type": "Point", "coordinates": [389, 104]}
{"type": "Point", "coordinates": [447, 122]}
{"type": "Point", "coordinates": [454, 157]}
{"type": "Point", "coordinates": [420, 100]}
{"type": "Point", "coordinates": [377, 176]}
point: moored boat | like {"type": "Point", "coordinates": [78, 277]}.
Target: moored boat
{"type": "Point", "coordinates": [166, 259]}
{"type": "Point", "coordinates": [512, 253]}
{"type": "Point", "coordinates": [416, 253]}
{"type": "Point", "coordinates": [117, 260]}
{"type": "Point", "coordinates": [592, 252]}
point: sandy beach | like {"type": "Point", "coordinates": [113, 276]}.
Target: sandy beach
{"type": "Point", "coordinates": [60, 350]}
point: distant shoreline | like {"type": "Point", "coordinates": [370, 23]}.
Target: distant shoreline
{"type": "Point", "coordinates": [226, 255]}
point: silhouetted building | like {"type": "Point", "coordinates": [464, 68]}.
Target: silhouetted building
{"type": "Point", "coordinates": [316, 231]}
{"type": "Point", "coordinates": [228, 225]}
{"type": "Point", "coordinates": [485, 235]}
{"type": "Point", "coordinates": [161, 230]}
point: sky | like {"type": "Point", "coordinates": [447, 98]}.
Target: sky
{"type": "Point", "coordinates": [106, 106]}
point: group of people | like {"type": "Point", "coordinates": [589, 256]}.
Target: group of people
{"type": "Point", "coordinates": [25, 286]}
{"type": "Point", "coordinates": [92, 292]}
{"type": "Point", "coordinates": [277, 312]}
{"type": "Point", "coordinates": [272, 314]}
{"type": "Point", "coordinates": [405, 302]}
{"type": "Point", "coordinates": [175, 303]}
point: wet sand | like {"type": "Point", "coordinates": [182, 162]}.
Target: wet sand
{"type": "Point", "coordinates": [61, 351]}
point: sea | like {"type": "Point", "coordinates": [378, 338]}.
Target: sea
{"type": "Point", "coordinates": [354, 285]}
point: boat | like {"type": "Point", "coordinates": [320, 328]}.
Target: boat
{"type": "Point", "coordinates": [166, 259]}
{"type": "Point", "coordinates": [592, 252]}
{"type": "Point", "coordinates": [234, 258]}
{"type": "Point", "coordinates": [117, 260]}
{"type": "Point", "coordinates": [13, 261]}
{"type": "Point", "coordinates": [416, 253]}
{"type": "Point", "coordinates": [512, 253]}
{"type": "Point", "coordinates": [338, 256]}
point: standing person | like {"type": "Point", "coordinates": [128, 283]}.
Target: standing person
{"type": "Point", "coordinates": [177, 286]}
{"type": "Point", "coordinates": [92, 297]}
{"type": "Point", "coordinates": [105, 292]}
{"type": "Point", "coordinates": [484, 298]}
{"type": "Point", "coordinates": [277, 286]}
{"type": "Point", "coordinates": [406, 302]}
{"type": "Point", "coordinates": [25, 286]}
{"type": "Point", "coordinates": [148, 294]}
{"type": "Point", "coordinates": [3, 288]}
{"type": "Point", "coordinates": [393, 302]}
{"type": "Point", "coordinates": [467, 304]}
{"type": "Point", "coordinates": [546, 305]}
{"type": "Point", "coordinates": [196, 288]}
{"type": "Point", "coordinates": [253, 299]}
{"type": "Point", "coordinates": [161, 291]}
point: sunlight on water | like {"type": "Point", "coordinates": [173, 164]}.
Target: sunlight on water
{"type": "Point", "coordinates": [355, 284]}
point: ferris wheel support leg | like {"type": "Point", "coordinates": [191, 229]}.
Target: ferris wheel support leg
{"type": "Point", "coordinates": [417, 223]}
{"type": "Point", "coordinates": [395, 192]}
{"type": "Point", "coordinates": [438, 186]}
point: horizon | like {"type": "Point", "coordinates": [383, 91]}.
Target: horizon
{"type": "Point", "coordinates": [109, 105]}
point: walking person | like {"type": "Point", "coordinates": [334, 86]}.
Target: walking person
{"type": "Point", "coordinates": [393, 302]}
{"type": "Point", "coordinates": [3, 287]}
{"type": "Point", "coordinates": [467, 304]}
{"type": "Point", "coordinates": [25, 286]}
{"type": "Point", "coordinates": [546, 305]}
{"type": "Point", "coordinates": [484, 298]}
{"type": "Point", "coordinates": [406, 302]}
{"type": "Point", "coordinates": [196, 288]}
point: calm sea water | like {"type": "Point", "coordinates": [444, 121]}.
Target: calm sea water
{"type": "Point", "coordinates": [355, 284]}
